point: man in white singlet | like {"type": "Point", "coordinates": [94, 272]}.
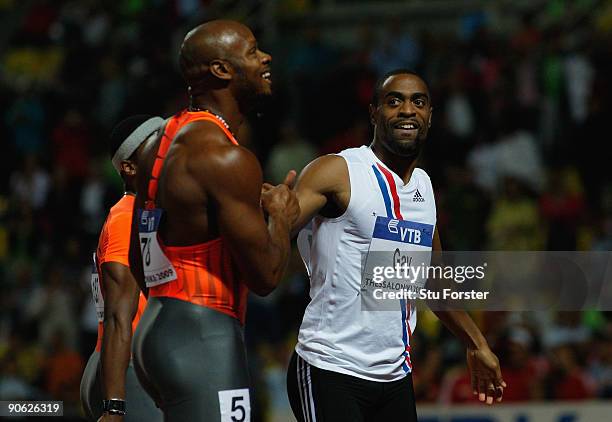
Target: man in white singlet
{"type": "Point", "coordinates": [351, 365]}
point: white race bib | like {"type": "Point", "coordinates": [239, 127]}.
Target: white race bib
{"type": "Point", "coordinates": [157, 267]}
{"type": "Point", "coordinates": [398, 242]}
{"type": "Point", "coordinates": [235, 405]}
{"type": "Point", "coordinates": [96, 290]}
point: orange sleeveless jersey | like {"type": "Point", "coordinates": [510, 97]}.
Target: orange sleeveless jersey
{"type": "Point", "coordinates": [113, 246]}
{"type": "Point", "coordinates": [205, 274]}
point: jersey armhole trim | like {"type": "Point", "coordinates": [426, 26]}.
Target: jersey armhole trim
{"type": "Point", "coordinates": [117, 259]}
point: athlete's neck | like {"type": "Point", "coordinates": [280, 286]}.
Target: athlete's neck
{"type": "Point", "coordinates": [224, 106]}
{"type": "Point", "coordinates": [402, 166]}
{"type": "Point", "coordinates": [129, 187]}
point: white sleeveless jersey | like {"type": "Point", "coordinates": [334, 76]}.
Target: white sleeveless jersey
{"type": "Point", "coordinates": [335, 334]}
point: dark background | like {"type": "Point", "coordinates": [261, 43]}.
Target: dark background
{"type": "Point", "coordinates": [517, 153]}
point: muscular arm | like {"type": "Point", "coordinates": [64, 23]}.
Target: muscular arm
{"type": "Point", "coordinates": [458, 321]}
{"type": "Point", "coordinates": [323, 184]}
{"type": "Point", "coordinates": [484, 366]}
{"type": "Point", "coordinates": [232, 178]}
{"type": "Point", "coordinates": [120, 304]}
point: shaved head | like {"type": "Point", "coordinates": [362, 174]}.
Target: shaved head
{"type": "Point", "coordinates": [214, 40]}
{"type": "Point", "coordinates": [222, 57]}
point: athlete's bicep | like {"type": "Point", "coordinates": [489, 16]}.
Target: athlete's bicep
{"type": "Point", "coordinates": [311, 202]}
{"type": "Point", "coordinates": [323, 180]}
{"type": "Point", "coordinates": [232, 178]}
{"type": "Point", "coordinates": [240, 217]}
{"type": "Point", "coordinates": [120, 291]}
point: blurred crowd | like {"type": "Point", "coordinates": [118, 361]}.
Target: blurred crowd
{"type": "Point", "coordinates": [517, 155]}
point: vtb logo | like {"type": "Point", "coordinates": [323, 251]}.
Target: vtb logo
{"type": "Point", "coordinates": [392, 226]}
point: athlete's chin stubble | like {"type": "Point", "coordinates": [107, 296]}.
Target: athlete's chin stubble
{"type": "Point", "coordinates": [407, 150]}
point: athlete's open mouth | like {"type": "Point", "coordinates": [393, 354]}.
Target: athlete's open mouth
{"type": "Point", "coordinates": [267, 75]}
{"type": "Point", "coordinates": [406, 125]}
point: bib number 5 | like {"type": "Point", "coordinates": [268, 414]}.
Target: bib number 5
{"type": "Point", "coordinates": [235, 405]}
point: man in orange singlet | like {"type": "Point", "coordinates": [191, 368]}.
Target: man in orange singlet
{"type": "Point", "coordinates": [203, 237]}
{"type": "Point", "coordinates": [109, 378]}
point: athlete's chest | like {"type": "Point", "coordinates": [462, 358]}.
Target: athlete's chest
{"type": "Point", "coordinates": [383, 202]}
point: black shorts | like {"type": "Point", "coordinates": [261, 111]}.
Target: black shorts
{"type": "Point", "coordinates": [325, 396]}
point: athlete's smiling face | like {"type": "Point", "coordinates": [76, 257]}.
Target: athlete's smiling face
{"type": "Point", "coordinates": [401, 114]}
{"type": "Point", "coordinates": [253, 70]}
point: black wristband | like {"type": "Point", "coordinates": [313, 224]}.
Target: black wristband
{"type": "Point", "coordinates": [114, 406]}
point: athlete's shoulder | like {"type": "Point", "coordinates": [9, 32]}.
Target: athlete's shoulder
{"type": "Point", "coordinates": [326, 166]}
{"type": "Point", "coordinates": [424, 177]}
{"type": "Point", "coordinates": [419, 172]}
{"type": "Point", "coordinates": [354, 154]}
{"type": "Point", "coordinates": [222, 166]}
{"type": "Point", "coordinates": [119, 218]}
{"type": "Point", "coordinates": [208, 148]}
{"type": "Point", "coordinates": [202, 133]}
{"type": "Point", "coordinates": [326, 174]}
{"type": "Point", "coordinates": [423, 181]}
{"type": "Point", "coordinates": [124, 206]}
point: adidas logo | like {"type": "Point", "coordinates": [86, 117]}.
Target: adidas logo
{"type": "Point", "coordinates": [418, 197]}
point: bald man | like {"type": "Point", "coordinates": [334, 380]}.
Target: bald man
{"type": "Point", "coordinates": [203, 239]}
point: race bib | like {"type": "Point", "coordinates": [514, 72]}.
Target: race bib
{"type": "Point", "coordinates": [235, 405]}
{"type": "Point", "coordinates": [396, 243]}
{"type": "Point", "coordinates": [96, 290]}
{"type": "Point", "coordinates": [157, 267]}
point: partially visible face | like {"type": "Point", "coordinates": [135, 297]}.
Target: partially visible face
{"type": "Point", "coordinates": [253, 72]}
{"type": "Point", "coordinates": [129, 167]}
{"type": "Point", "coordinates": [403, 115]}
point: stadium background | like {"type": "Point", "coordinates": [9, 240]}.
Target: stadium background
{"type": "Point", "coordinates": [517, 154]}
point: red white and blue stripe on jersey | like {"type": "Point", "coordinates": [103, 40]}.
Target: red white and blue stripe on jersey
{"type": "Point", "coordinates": [388, 189]}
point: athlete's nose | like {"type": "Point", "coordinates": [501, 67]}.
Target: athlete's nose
{"type": "Point", "coordinates": [406, 112]}
{"type": "Point", "coordinates": [266, 59]}
{"type": "Point", "coordinates": [407, 109]}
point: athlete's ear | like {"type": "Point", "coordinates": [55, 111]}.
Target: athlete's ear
{"type": "Point", "coordinates": [429, 121]}
{"type": "Point", "coordinates": [222, 69]}
{"type": "Point", "coordinates": [128, 168]}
